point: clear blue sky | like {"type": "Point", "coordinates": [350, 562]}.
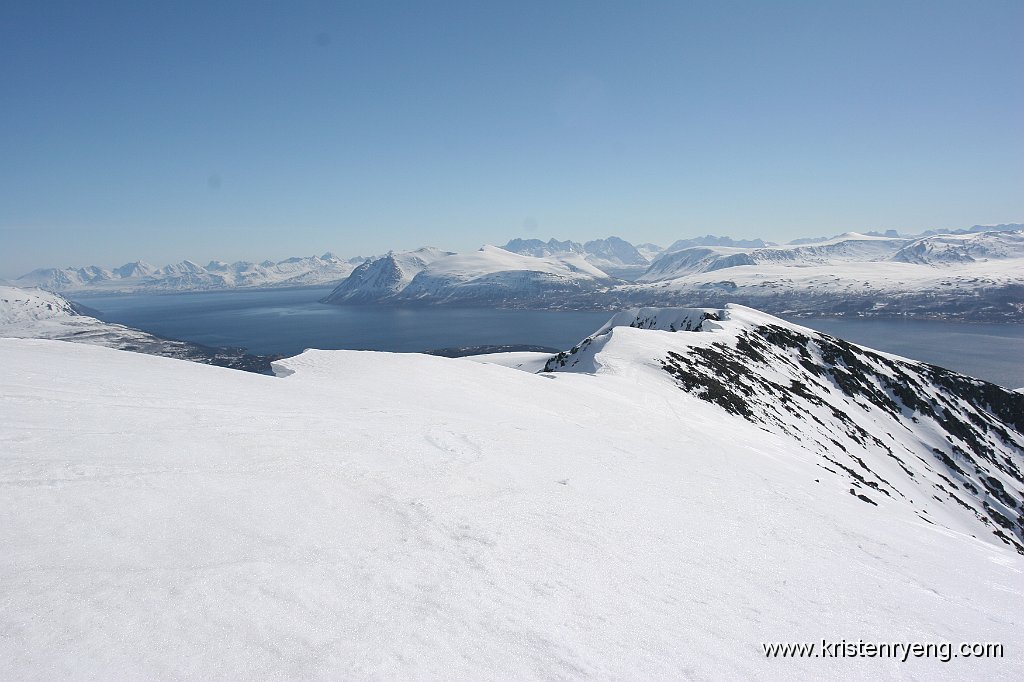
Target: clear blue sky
{"type": "Point", "coordinates": [256, 130]}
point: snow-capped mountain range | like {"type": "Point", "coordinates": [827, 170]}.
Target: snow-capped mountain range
{"type": "Point", "coordinates": [188, 276]}
{"type": "Point", "coordinates": [973, 276]}
{"type": "Point", "coordinates": [976, 273]}
{"type": "Point", "coordinates": [656, 502]}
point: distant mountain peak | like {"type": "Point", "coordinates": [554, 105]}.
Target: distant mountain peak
{"type": "Point", "coordinates": [712, 240]}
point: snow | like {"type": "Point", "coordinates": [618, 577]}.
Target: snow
{"type": "Point", "coordinates": [383, 516]}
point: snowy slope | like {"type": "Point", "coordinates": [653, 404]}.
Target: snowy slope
{"type": "Point", "coordinates": [39, 314]}
{"type": "Point", "coordinates": [381, 516]}
{"type": "Point", "coordinates": [189, 276]}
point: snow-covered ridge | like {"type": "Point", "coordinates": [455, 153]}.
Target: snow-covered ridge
{"type": "Point", "coordinates": [949, 446]}
{"type": "Point", "coordinates": [189, 276]}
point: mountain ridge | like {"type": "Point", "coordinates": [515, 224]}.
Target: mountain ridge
{"type": "Point", "coordinates": [893, 427]}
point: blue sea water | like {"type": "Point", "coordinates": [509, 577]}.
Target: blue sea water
{"type": "Point", "coordinates": [287, 321]}
{"type": "Point", "coordinates": [994, 352]}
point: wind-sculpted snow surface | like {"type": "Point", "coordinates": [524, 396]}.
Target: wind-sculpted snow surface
{"type": "Point", "coordinates": [949, 446]}
{"type": "Point", "coordinates": [385, 516]}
